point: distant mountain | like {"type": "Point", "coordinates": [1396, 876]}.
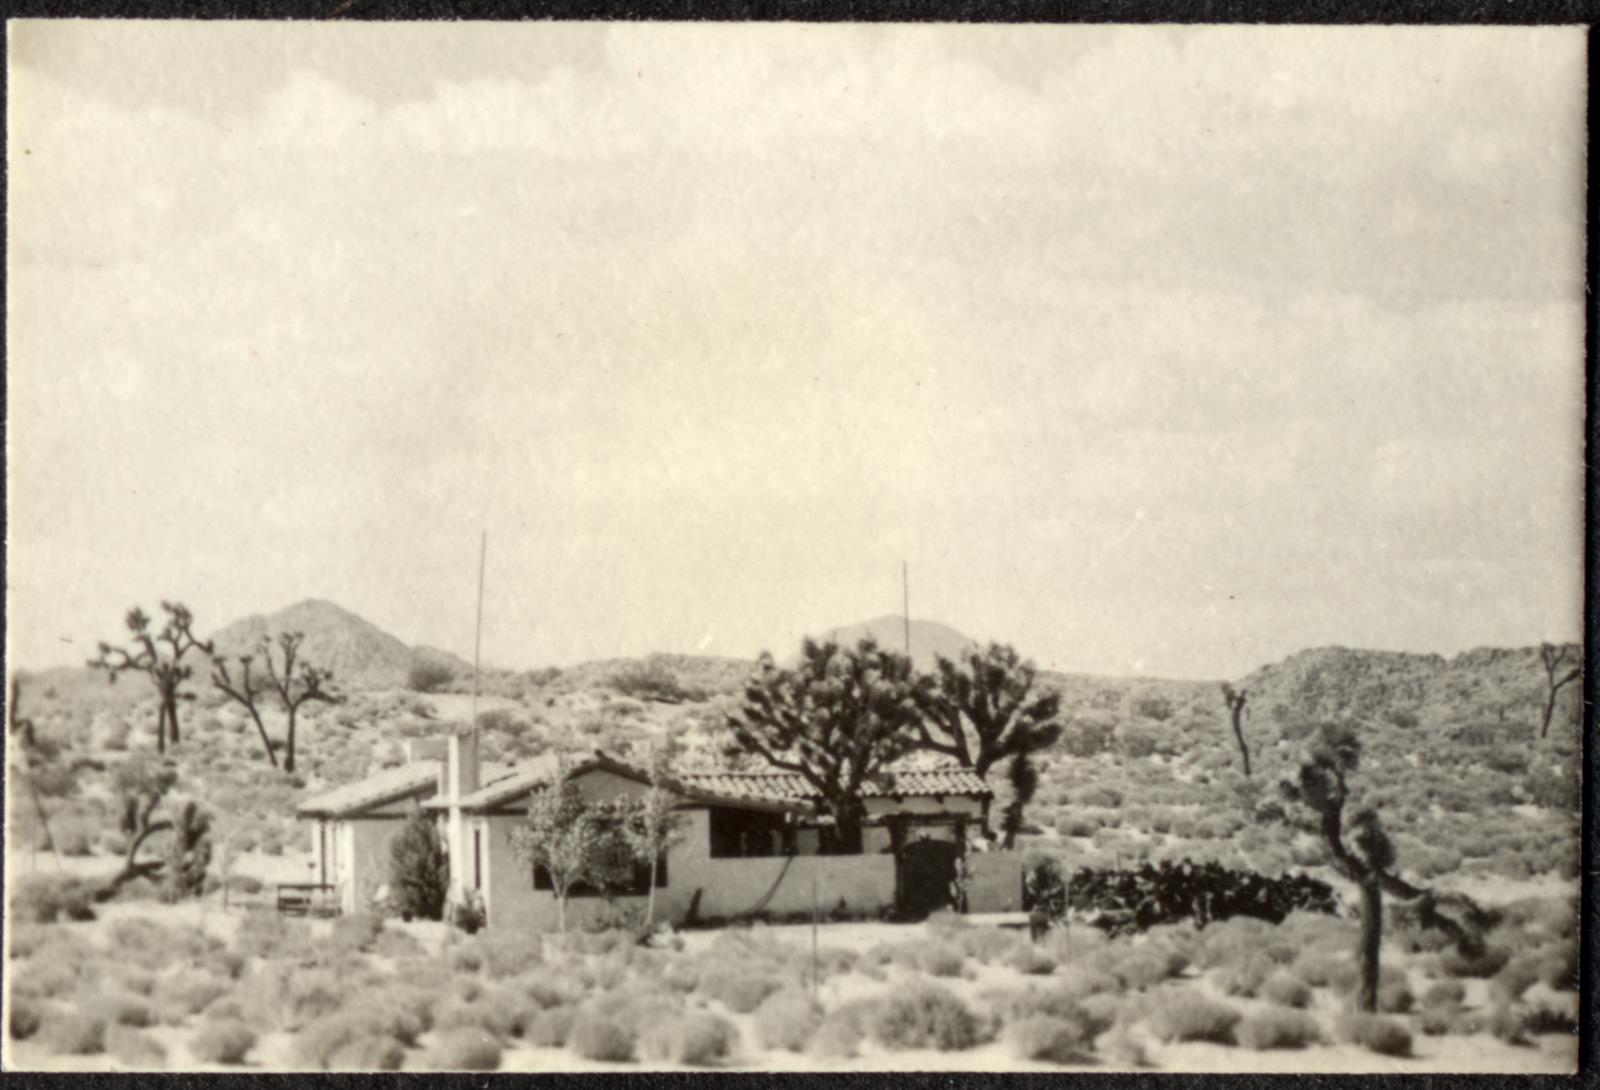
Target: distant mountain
{"type": "Point", "coordinates": [360, 654]}
{"type": "Point", "coordinates": [929, 639]}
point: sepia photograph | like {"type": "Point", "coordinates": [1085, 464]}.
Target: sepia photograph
{"type": "Point", "coordinates": [605, 547]}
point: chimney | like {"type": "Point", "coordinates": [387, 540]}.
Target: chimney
{"type": "Point", "coordinates": [425, 749]}
{"type": "Point", "coordinates": [461, 770]}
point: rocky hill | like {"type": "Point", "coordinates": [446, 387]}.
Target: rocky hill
{"type": "Point", "coordinates": [361, 655]}
{"type": "Point", "coordinates": [929, 639]}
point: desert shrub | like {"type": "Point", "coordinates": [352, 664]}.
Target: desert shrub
{"type": "Point", "coordinates": [1183, 1014]}
{"type": "Point", "coordinates": [51, 898]}
{"type": "Point", "coordinates": [1276, 1027]}
{"type": "Point", "coordinates": [1044, 886]}
{"type": "Point", "coordinates": [739, 992]}
{"type": "Point", "coordinates": [1140, 967]}
{"type": "Point", "coordinates": [937, 958]}
{"type": "Point", "coordinates": [44, 978]}
{"type": "Point", "coordinates": [428, 676]}
{"type": "Point", "coordinates": [1558, 966]}
{"type": "Point", "coordinates": [372, 1052]}
{"type": "Point", "coordinates": [1029, 960]}
{"type": "Point", "coordinates": [786, 1020]}
{"type": "Point", "coordinates": [264, 933]}
{"type": "Point", "coordinates": [345, 1042]}
{"type": "Point", "coordinates": [184, 993]}
{"type": "Point", "coordinates": [1246, 976]}
{"type": "Point", "coordinates": [925, 1017]}
{"type": "Point", "coordinates": [839, 1034]}
{"type": "Point", "coordinates": [1384, 1036]}
{"type": "Point", "coordinates": [1286, 990]}
{"type": "Point", "coordinates": [650, 680]}
{"type": "Point", "coordinates": [698, 1039]}
{"type": "Point", "coordinates": [1484, 963]}
{"type": "Point", "coordinates": [1395, 996]}
{"type": "Point", "coordinates": [223, 1041]}
{"type": "Point", "coordinates": [355, 933]}
{"type": "Point", "coordinates": [1327, 971]}
{"type": "Point", "coordinates": [133, 1049]}
{"type": "Point", "coordinates": [247, 884]}
{"type": "Point", "coordinates": [463, 1049]}
{"type": "Point", "coordinates": [489, 1012]}
{"type": "Point", "coordinates": [549, 1028]}
{"type": "Point", "coordinates": [1228, 942]}
{"type": "Point", "coordinates": [1519, 974]}
{"type": "Point", "coordinates": [596, 1037]}
{"type": "Point", "coordinates": [1173, 891]}
{"type": "Point", "coordinates": [122, 1009]}
{"type": "Point", "coordinates": [1444, 994]}
{"type": "Point", "coordinates": [24, 1015]}
{"type": "Point", "coordinates": [1049, 1037]}
{"type": "Point", "coordinates": [507, 954]}
{"type": "Point", "coordinates": [226, 1008]}
{"type": "Point", "coordinates": [71, 1033]}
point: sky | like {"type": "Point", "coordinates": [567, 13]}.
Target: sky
{"type": "Point", "coordinates": [1164, 351]}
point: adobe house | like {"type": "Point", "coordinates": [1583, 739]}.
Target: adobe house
{"type": "Point", "coordinates": [750, 843]}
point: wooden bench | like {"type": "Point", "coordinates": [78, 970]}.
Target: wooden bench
{"type": "Point", "coordinates": [306, 899]}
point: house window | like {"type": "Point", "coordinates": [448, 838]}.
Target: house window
{"type": "Point", "coordinates": [637, 886]}
{"type": "Point", "coordinates": [749, 834]}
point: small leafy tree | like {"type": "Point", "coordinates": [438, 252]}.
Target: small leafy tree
{"type": "Point", "coordinates": [1561, 668]}
{"type": "Point", "coordinates": [657, 824]}
{"type": "Point", "coordinates": [574, 840]}
{"type": "Point", "coordinates": [836, 720]}
{"type": "Point", "coordinates": [985, 709]}
{"type": "Point", "coordinates": [418, 870]}
{"type": "Point", "coordinates": [159, 656]}
{"type": "Point", "coordinates": [1236, 700]}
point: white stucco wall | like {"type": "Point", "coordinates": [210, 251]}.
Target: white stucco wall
{"type": "Point", "coordinates": [994, 881]}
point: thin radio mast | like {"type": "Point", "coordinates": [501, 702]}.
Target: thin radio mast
{"type": "Point", "coordinates": [905, 586]}
{"type": "Point", "coordinates": [477, 637]}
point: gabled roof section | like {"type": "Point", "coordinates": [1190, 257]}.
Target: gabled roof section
{"type": "Point", "coordinates": [391, 785]}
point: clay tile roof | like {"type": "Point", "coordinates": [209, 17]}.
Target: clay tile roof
{"type": "Point", "coordinates": [788, 787]}
{"type": "Point", "coordinates": [390, 785]}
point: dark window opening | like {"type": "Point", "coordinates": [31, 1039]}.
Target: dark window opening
{"type": "Point", "coordinates": [750, 834]}
{"type": "Point", "coordinates": [829, 842]}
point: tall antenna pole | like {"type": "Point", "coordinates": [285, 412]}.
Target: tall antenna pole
{"type": "Point", "coordinates": [477, 638]}
{"type": "Point", "coordinates": [905, 586]}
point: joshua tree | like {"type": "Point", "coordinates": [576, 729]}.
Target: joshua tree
{"type": "Point", "coordinates": [836, 720]}
{"type": "Point", "coordinates": [1369, 859]}
{"type": "Point", "coordinates": [984, 709]}
{"type": "Point", "coordinates": [141, 784]}
{"type": "Point", "coordinates": [1560, 669]}
{"type": "Point", "coordinates": [188, 855]}
{"type": "Point", "coordinates": [159, 656]}
{"type": "Point", "coordinates": [244, 693]}
{"type": "Point", "coordinates": [295, 689]}
{"type": "Point", "coordinates": [1236, 699]}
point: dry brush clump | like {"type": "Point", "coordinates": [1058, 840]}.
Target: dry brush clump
{"type": "Point", "coordinates": [1049, 1037]}
{"type": "Point", "coordinates": [1185, 1014]}
{"type": "Point", "coordinates": [697, 1039]}
{"type": "Point", "coordinates": [1277, 1027]}
{"type": "Point", "coordinates": [222, 1041]}
{"type": "Point", "coordinates": [926, 1016]}
{"type": "Point", "coordinates": [786, 1021]}
{"type": "Point", "coordinates": [596, 1037]}
{"type": "Point", "coordinates": [1385, 1036]}
{"type": "Point", "coordinates": [463, 1049]}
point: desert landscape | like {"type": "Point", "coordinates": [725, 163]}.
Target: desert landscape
{"type": "Point", "coordinates": [1146, 774]}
